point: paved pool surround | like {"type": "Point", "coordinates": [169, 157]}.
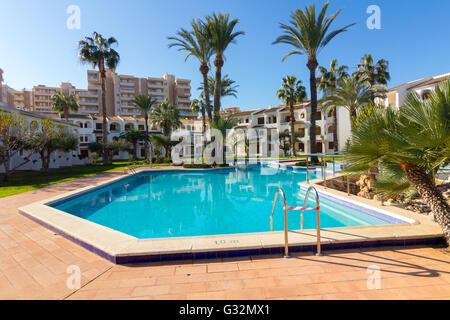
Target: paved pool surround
{"type": "Point", "coordinates": [121, 248]}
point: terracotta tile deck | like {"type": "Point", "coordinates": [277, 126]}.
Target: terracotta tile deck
{"type": "Point", "coordinates": [34, 262]}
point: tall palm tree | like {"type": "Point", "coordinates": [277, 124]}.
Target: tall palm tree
{"type": "Point", "coordinates": [291, 92]}
{"type": "Point", "coordinates": [227, 86]}
{"type": "Point", "coordinates": [415, 140]}
{"type": "Point", "coordinates": [352, 94]}
{"type": "Point", "coordinates": [308, 34]}
{"type": "Point", "coordinates": [375, 74]}
{"type": "Point", "coordinates": [327, 83]}
{"type": "Point", "coordinates": [63, 103]}
{"type": "Point", "coordinates": [99, 52]}
{"type": "Point", "coordinates": [166, 116]}
{"type": "Point", "coordinates": [196, 43]}
{"type": "Point", "coordinates": [145, 103]}
{"type": "Point", "coordinates": [221, 34]}
{"type": "Point", "coordinates": [199, 106]}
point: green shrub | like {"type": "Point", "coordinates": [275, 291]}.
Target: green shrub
{"type": "Point", "coordinates": [302, 164]}
{"type": "Point", "coordinates": [197, 166]}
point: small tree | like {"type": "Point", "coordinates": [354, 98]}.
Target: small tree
{"type": "Point", "coordinates": [117, 146]}
{"type": "Point", "coordinates": [13, 128]}
{"type": "Point", "coordinates": [164, 142]}
{"type": "Point", "coordinates": [133, 136]}
{"type": "Point", "coordinates": [47, 137]}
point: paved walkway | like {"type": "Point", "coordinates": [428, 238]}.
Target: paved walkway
{"type": "Point", "coordinates": [34, 262]}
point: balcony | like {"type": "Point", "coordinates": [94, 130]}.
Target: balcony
{"type": "Point", "coordinates": [156, 84]}
{"type": "Point", "coordinates": [130, 82]}
{"type": "Point", "coordinates": [88, 101]}
{"type": "Point", "coordinates": [126, 89]}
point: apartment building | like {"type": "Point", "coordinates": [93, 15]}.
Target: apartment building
{"type": "Point", "coordinates": [278, 118]}
{"type": "Point", "coordinates": [396, 96]}
{"type": "Point", "coordinates": [120, 91]}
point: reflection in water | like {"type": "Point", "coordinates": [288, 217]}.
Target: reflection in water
{"type": "Point", "coordinates": [189, 203]}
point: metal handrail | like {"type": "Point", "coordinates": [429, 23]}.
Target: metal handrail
{"type": "Point", "coordinates": [133, 171]}
{"type": "Point", "coordinates": [303, 209]}
{"type": "Point", "coordinates": [286, 240]}
{"type": "Point", "coordinates": [319, 253]}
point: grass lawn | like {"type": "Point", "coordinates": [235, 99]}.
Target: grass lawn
{"type": "Point", "coordinates": [23, 181]}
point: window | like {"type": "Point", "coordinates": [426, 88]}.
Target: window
{"type": "Point", "coordinates": [331, 145]}
{"type": "Point", "coordinates": [318, 131]}
{"type": "Point", "coordinates": [141, 127]}
{"type": "Point", "coordinates": [260, 120]}
{"type": "Point", "coordinates": [98, 126]}
{"type": "Point", "coordinates": [302, 132]}
{"type": "Point", "coordinates": [318, 115]}
{"type": "Point", "coordinates": [330, 129]}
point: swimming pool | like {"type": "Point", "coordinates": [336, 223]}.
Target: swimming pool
{"type": "Point", "coordinates": [185, 203]}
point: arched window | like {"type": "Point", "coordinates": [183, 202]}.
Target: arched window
{"type": "Point", "coordinates": [330, 129]}
{"type": "Point", "coordinates": [318, 131]}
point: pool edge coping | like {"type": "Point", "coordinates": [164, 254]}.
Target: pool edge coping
{"type": "Point", "coordinates": [119, 247]}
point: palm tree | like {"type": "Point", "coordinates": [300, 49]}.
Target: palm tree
{"type": "Point", "coordinates": [308, 34]}
{"type": "Point", "coordinates": [166, 116]}
{"type": "Point", "coordinates": [98, 51]}
{"type": "Point", "coordinates": [133, 136]}
{"type": "Point", "coordinates": [164, 142]}
{"type": "Point", "coordinates": [223, 125]}
{"type": "Point", "coordinates": [352, 94]}
{"type": "Point", "coordinates": [199, 106]}
{"type": "Point", "coordinates": [221, 34]}
{"type": "Point", "coordinates": [291, 92]}
{"type": "Point", "coordinates": [145, 104]}
{"type": "Point", "coordinates": [63, 104]}
{"type": "Point", "coordinates": [327, 83]}
{"type": "Point", "coordinates": [196, 43]}
{"type": "Point", "coordinates": [376, 74]}
{"type": "Point", "coordinates": [415, 140]}
{"type": "Point", "coordinates": [227, 88]}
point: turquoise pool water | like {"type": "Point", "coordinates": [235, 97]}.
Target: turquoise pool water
{"type": "Point", "coordinates": [192, 203]}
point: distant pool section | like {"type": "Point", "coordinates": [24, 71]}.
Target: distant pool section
{"type": "Point", "coordinates": [189, 203]}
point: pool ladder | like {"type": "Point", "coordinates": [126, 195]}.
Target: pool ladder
{"type": "Point", "coordinates": [287, 208]}
{"type": "Point", "coordinates": [132, 170]}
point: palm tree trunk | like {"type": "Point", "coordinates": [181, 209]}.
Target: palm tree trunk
{"type": "Point", "coordinates": [218, 63]}
{"type": "Point", "coordinates": [204, 69]}
{"type": "Point", "coordinates": [291, 108]}
{"type": "Point", "coordinates": [335, 133]}
{"type": "Point", "coordinates": [312, 65]}
{"type": "Point", "coordinates": [135, 149]}
{"type": "Point", "coordinates": [106, 160]}
{"type": "Point", "coordinates": [432, 196]}
{"type": "Point", "coordinates": [146, 138]}
{"type": "Point", "coordinates": [66, 114]}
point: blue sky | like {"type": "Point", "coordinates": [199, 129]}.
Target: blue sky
{"type": "Point", "coordinates": [36, 47]}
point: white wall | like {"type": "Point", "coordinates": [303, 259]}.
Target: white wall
{"type": "Point", "coordinates": [344, 127]}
